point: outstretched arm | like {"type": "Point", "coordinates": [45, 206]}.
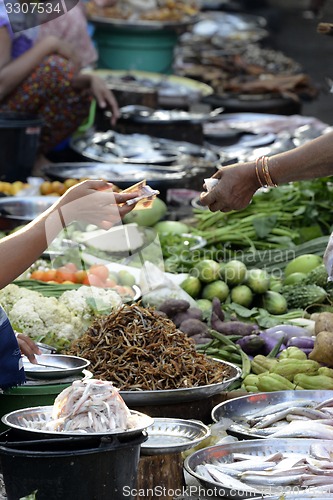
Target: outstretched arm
{"type": "Point", "coordinates": [238, 182]}
{"type": "Point", "coordinates": [90, 201]}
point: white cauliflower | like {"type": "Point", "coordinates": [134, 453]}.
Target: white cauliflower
{"type": "Point", "coordinates": [89, 301]}
{"type": "Point", "coordinates": [56, 321]}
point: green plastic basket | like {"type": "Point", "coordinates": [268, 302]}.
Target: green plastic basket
{"type": "Point", "coordinates": [144, 49]}
{"type": "Point", "coordinates": [26, 396]}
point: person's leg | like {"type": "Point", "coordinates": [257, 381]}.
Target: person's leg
{"type": "Point", "coordinates": [49, 94]}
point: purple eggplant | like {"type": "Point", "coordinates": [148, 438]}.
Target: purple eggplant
{"type": "Point", "coordinates": [271, 339]}
{"type": "Point", "coordinates": [251, 344]}
{"type": "Point", "coordinates": [301, 342]}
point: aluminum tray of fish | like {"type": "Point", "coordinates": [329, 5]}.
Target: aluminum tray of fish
{"type": "Point", "coordinates": [143, 149]}
{"type": "Point", "coordinates": [247, 469]}
{"type": "Point", "coordinates": [280, 414]}
{"type": "Point", "coordinates": [39, 420]}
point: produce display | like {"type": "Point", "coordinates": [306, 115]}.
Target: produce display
{"type": "Point", "coordinates": [139, 349]}
{"type": "Point", "coordinates": [52, 320]}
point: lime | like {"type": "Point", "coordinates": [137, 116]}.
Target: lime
{"type": "Point", "coordinates": [217, 289]}
{"type": "Point", "coordinates": [206, 270]}
{"type": "Point", "coordinates": [275, 283]}
{"type": "Point", "coordinates": [258, 280]}
{"type": "Point", "coordinates": [192, 286]}
{"type": "Point", "coordinates": [205, 306]}
{"type": "Point", "coordinates": [242, 295]}
{"type": "Point", "coordinates": [234, 272]}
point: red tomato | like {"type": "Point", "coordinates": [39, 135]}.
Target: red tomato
{"type": "Point", "coordinates": [64, 274]}
{"type": "Point", "coordinates": [80, 275]}
{"type": "Point", "coordinates": [37, 275]}
{"type": "Point", "coordinates": [50, 275]}
{"type": "Point", "coordinates": [99, 270]}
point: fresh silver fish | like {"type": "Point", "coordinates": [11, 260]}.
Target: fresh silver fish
{"type": "Point", "coordinates": [320, 466]}
{"type": "Point", "coordinates": [304, 429]}
{"type": "Point", "coordinates": [269, 409]}
{"type": "Point", "coordinates": [289, 462]}
{"type": "Point", "coordinates": [316, 480]}
{"type": "Point", "coordinates": [254, 464]}
{"type": "Point", "coordinates": [227, 481]}
{"type": "Point", "coordinates": [327, 402]}
{"type": "Point", "coordinates": [277, 478]}
{"type": "Point", "coordinates": [308, 413]}
{"type": "Point", "coordinates": [321, 451]}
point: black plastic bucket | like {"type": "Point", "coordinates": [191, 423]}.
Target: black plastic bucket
{"type": "Point", "coordinates": [87, 468]}
{"type": "Point", "coordinates": [19, 140]}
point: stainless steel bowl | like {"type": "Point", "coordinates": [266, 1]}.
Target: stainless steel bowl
{"type": "Point", "coordinates": [238, 408]}
{"type": "Point", "coordinates": [16, 211]}
{"type": "Point", "coordinates": [257, 448]}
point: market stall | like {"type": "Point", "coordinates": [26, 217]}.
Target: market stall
{"type": "Point", "coordinates": [180, 343]}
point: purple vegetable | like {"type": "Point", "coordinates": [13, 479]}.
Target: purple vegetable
{"type": "Point", "coordinates": [271, 339]}
{"type": "Point", "coordinates": [251, 344]}
{"type": "Point", "coordinates": [216, 308]}
{"type": "Point", "coordinates": [289, 331]}
{"type": "Point", "coordinates": [301, 342]}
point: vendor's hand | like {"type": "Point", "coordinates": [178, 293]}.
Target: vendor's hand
{"type": "Point", "coordinates": [104, 97]}
{"type": "Point", "coordinates": [27, 347]}
{"type": "Point", "coordinates": [236, 187]}
{"type": "Point", "coordinates": [93, 201]}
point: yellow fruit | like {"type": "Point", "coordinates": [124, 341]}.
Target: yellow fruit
{"type": "Point", "coordinates": [58, 187]}
{"type": "Point", "coordinates": [16, 187]}
{"type": "Point", "coordinates": [70, 182]}
{"type": "Point", "coordinates": [46, 188]}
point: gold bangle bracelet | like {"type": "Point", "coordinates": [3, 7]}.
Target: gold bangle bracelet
{"type": "Point", "coordinates": [257, 173]}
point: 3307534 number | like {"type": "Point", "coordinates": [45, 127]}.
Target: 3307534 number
{"type": "Point", "coordinates": [33, 7]}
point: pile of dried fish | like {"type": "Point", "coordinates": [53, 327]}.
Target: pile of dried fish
{"type": "Point", "coordinates": [300, 418]}
{"type": "Point", "coordinates": [248, 473]}
{"type": "Point", "coordinates": [138, 349]}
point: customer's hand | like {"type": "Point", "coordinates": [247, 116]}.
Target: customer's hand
{"type": "Point", "coordinates": [95, 202]}
{"type": "Point", "coordinates": [27, 347]}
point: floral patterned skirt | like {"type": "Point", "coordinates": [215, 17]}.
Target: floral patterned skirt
{"type": "Point", "coordinates": [49, 93]}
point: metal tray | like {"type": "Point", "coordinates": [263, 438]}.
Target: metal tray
{"type": "Point", "coordinates": [223, 454]}
{"type": "Point", "coordinates": [60, 365]}
{"type": "Point", "coordinates": [236, 409]}
{"type": "Point", "coordinates": [173, 435]}
{"type": "Point", "coordinates": [33, 419]}
{"type": "Point", "coordinates": [155, 397]}
{"type": "Point", "coordinates": [142, 24]}
{"type": "Point", "coordinates": [143, 114]}
{"type": "Point", "coordinates": [123, 175]}
{"type": "Point", "coordinates": [171, 89]}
